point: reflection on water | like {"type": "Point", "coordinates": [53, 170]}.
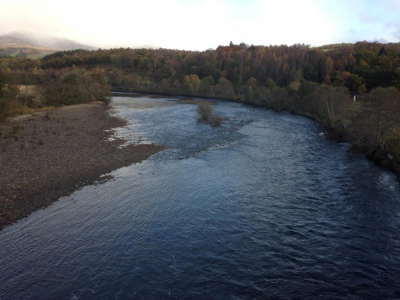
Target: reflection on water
{"type": "Point", "coordinates": [263, 207]}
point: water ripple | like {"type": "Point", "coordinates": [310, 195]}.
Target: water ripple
{"type": "Point", "coordinates": [261, 208]}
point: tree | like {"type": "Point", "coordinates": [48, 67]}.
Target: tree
{"type": "Point", "coordinates": [327, 80]}
{"type": "Point", "coordinates": [341, 79]}
{"type": "Point", "coordinates": [35, 71]}
{"type": "Point", "coordinates": [78, 86]}
{"type": "Point", "coordinates": [334, 110]}
{"type": "Point", "coordinates": [252, 82]}
{"type": "Point", "coordinates": [165, 72]}
{"type": "Point", "coordinates": [206, 86]}
{"type": "Point", "coordinates": [327, 68]}
{"type": "Point", "coordinates": [270, 84]}
{"type": "Point", "coordinates": [8, 94]}
{"type": "Point", "coordinates": [329, 105]}
{"type": "Point", "coordinates": [224, 89]}
{"type": "Point", "coordinates": [195, 81]}
{"type": "Point", "coordinates": [379, 116]}
{"type": "Point", "coordinates": [308, 71]}
{"type": "Point", "coordinates": [187, 87]}
{"type": "Point", "coordinates": [356, 84]}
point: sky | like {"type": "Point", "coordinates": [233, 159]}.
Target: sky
{"type": "Point", "coordinates": [205, 24]}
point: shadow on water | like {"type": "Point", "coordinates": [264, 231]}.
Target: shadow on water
{"type": "Point", "coordinates": [262, 207]}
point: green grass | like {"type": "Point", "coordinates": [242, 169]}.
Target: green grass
{"type": "Point", "coordinates": [34, 55]}
{"type": "Point", "coordinates": [14, 53]}
{"type": "Point", "coordinates": [39, 55]}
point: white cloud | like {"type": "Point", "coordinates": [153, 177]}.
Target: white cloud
{"type": "Point", "coordinates": [289, 22]}
{"type": "Point", "coordinates": [196, 25]}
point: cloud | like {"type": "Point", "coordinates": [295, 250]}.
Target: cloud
{"type": "Point", "coordinates": [289, 22]}
{"type": "Point", "coordinates": [203, 24]}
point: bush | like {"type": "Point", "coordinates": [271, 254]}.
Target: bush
{"type": "Point", "coordinates": [204, 111]}
{"type": "Point", "coordinates": [217, 120]}
{"type": "Point", "coordinates": [12, 108]}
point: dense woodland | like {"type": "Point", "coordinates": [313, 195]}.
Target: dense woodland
{"type": "Point", "coordinates": [317, 82]}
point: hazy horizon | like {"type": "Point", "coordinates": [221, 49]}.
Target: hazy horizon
{"type": "Point", "coordinates": [204, 24]}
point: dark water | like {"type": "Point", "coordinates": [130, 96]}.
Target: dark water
{"type": "Point", "coordinates": [264, 207]}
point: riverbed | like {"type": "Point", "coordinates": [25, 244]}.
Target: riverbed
{"type": "Point", "coordinates": [263, 207]}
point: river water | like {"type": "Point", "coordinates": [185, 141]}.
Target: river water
{"type": "Point", "coordinates": [263, 207]}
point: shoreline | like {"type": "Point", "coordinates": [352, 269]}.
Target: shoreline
{"type": "Point", "coordinates": [51, 154]}
{"type": "Point", "coordinates": [380, 158]}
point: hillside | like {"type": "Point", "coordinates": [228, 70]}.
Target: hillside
{"type": "Point", "coordinates": [28, 39]}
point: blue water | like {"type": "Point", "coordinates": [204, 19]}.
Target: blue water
{"type": "Point", "coordinates": [264, 207]}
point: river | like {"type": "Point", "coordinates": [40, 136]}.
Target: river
{"type": "Point", "coordinates": [263, 207]}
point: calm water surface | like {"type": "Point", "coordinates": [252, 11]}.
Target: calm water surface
{"type": "Point", "coordinates": [264, 207]}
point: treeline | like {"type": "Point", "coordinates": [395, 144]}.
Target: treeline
{"type": "Point", "coordinates": [74, 87]}
{"type": "Point", "coordinates": [359, 67]}
{"type": "Point", "coordinates": [371, 124]}
{"type": "Point", "coordinates": [53, 88]}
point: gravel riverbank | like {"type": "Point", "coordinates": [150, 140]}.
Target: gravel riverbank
{"type": "Point", "coordinates": [51, 154]}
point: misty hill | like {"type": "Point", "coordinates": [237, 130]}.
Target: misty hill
{"type": "Point", "coordinates": [29, 39]}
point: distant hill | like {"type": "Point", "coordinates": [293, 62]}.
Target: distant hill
{"type": "Point", "coordinates": [28, 39]}
{"type": "Point", "coordinates": [28, 52]}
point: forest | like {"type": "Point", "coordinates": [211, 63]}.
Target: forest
{"type": "Point", "coordinates": [318, 82]}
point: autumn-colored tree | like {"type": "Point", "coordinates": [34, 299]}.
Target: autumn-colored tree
{"type": "Point", "coordinates": [374, 63]}
{"type": "Point", "coordinates": [252, 82]}
{"type": "Point", "coordinates": [341, 79]}
{"type": "Point", "coordinates": [223, 74]}
{"type": "Point", "coordinates": [195, 81]}
{"type": "Point", "coordinates": [327, 80]}
{"type": "Point", "coordinates": [356, 84]}
{"type": "Point", "coordinates": [187, 87]}
{"type": "Point", "coordinates": [327, 68]}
